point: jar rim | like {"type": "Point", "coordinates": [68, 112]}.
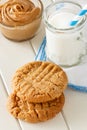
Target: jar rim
{"type": "Point", "coordinates": [71, 28]}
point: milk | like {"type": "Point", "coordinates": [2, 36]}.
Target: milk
{"type": "Point", "coordinates": [64, 48]}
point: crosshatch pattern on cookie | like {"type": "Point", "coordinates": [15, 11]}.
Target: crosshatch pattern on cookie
{"type": "Point", "coordinates": [39, 81]}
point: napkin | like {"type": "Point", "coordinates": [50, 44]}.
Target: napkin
{"type": "Point", "coordinates": [77, 75]}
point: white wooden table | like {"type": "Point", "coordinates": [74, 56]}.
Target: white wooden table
{"type": "Point", "coordinates": [14, 55]}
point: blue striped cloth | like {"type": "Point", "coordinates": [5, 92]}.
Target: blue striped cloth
{"type": "Point", "coordinates": [41, 55]}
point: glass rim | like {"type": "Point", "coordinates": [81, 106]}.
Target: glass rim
{"type": "Point", "coordinates": [76, 27]}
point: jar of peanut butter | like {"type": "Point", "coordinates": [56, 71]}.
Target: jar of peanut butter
{"type": "Point", "coordinates": [20, 19]}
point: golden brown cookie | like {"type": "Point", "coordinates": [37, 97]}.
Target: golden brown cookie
{"type": "Point", "coordinates": [39, 81]}
{"type": "Point", "coordinates": [34, 112]}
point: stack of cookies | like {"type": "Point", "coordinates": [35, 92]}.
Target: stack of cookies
{"type": "Point", "coordinates": [37, 91]}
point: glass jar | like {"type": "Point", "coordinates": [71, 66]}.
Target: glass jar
{"type": "Point", "coordinates": [65, 44]}
{"type": "Point", "coordinates": [20, 20]}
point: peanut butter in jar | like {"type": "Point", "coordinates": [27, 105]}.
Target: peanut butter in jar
{"type": "Point", "coordinates": [20, 19]}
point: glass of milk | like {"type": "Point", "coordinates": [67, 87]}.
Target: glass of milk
{"type": "Point", "coordinates": [65, 45]}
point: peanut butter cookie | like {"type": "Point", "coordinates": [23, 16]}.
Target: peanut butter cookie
{"type": "Point", "coordinates": [34, 112]}
{"type": "Point", "coordinates": [39, 81]}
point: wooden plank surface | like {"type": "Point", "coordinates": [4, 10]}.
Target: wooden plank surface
{"type": "Point", "coordinates": [16, 54]}
{"type": "Point", "coordinates": [7, 122]}
{"type": "Point", "coordinates": [13, 55]}
{"type": "Point", "coordinates": [75, 109]}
